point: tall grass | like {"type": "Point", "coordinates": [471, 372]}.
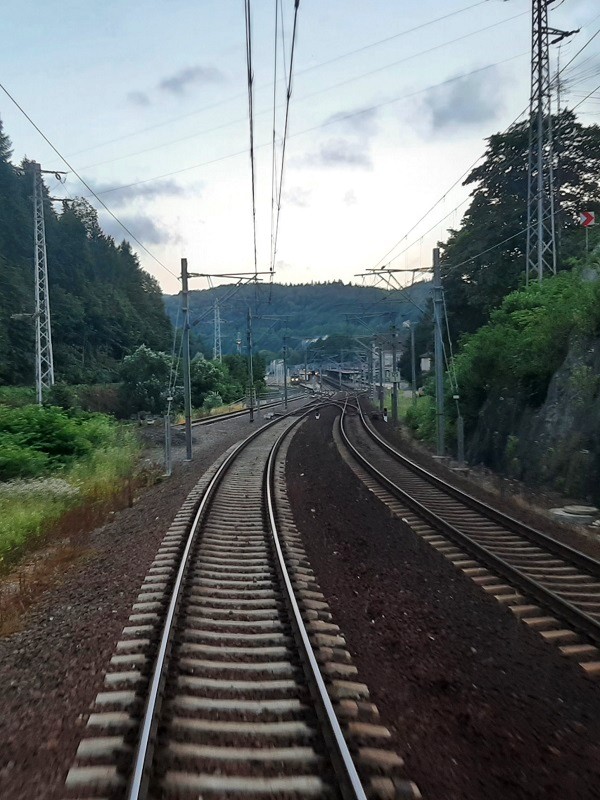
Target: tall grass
{"type": "Point", "coordinates": [30, 508]}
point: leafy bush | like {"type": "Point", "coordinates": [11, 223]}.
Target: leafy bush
{"type": "Point", "coordinates": [145, 375]}
{"type": "Point", "coordinates": [37, 439]}
{"type": "Point", "coordinates": [61, 395]}
{"type": "Point", "coordinates": [212, 400]}
{"type": "Point", "coordinates": [526, 340]}
{"type": "Point", "coordinates": [19, 461]}
{"type": "Point", "coordinates": [420, 418]}
{"type": "Point", "coordinates": [91, 453]}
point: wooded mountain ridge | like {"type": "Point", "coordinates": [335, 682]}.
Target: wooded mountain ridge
{"type": "Point", "coordinates": [297, 311]}
{"type": "Point", "coordinates": [102, 303]}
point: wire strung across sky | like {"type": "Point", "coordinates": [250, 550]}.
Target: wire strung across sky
{"type": "Point", "coordinates": [285, 132]}
{"type": "Point", "coordinates": [250, 80]}
{"type": "Point", "coordinates": [171, 120]}
{"type": "Point", "coordinates": [87, 186]}
{"type": "Point", "coordinates": [274, 150]}
{"type": "Point", "coordinates": [477, 160]}
{"type": "Point", "coordinates": [308, 96]}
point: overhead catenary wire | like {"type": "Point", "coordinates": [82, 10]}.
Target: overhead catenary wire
{"type": "Point", "coordinates": [466, 172]}
{"type": "Point", "coordinates": [309, 95]}
{"type": "Point", "coordinates": [288, 96]}
{"type": "Point", "coordinates": [326, 123]}
{"type": "Point", "coordinates": [250, 81]}
{"type": "Point", "coordinates": [171, 120]}
{"type": "Point", "coordinates": [84, 182]}
{"type": "Point", "coordinates": [274, 149]}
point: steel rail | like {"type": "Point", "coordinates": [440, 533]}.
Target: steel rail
{"type": "Point", "coordinates": [234, 414]}
{"type": "Point", "coordinates": [137, 788]}
{"type": "Point", "coordinates": [347, 775]}
{"type": "Point", "coordinates": [580, 620]}
{"type": "Point", "coordinates": [516, 526]}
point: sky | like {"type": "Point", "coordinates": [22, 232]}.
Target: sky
{"type": "Point", "coordinates": [391, 103]}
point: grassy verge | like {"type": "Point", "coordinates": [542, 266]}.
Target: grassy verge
{"type": "Point", "coordinates": [66, 494]}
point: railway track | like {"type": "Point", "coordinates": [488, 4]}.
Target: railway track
{"type": "Point", "coordinates": [231, 680]}
{"type": "Point", "coordinates": [234, 414]}
{"type": "Point", "coordinates": [552, 588]}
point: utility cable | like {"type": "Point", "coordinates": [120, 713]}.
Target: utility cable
{"type": "Point", "coordinates": [330, 121]}
{"type": "Point", "coordinates": [171, 120]}
{"type": "Point", "coordinates": [285, 129]}
{"type": "Point", "coordinates": [250, 80]}
{"type": "Point", "coordinates": [464, 174]}
{"type": "Point", "coordinates": [586, 97]}
{"type": "Point", "coordinates": [274, 151]}
{"type": "Point", "coordinates": [308, 96]}
{"type": "Point", "coordinates": [87, 186]}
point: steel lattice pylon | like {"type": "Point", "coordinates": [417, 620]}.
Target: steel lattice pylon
{"type": "Point", "coordinates": [541, 238]}
{"type": "Point", "coordinates": [217, 354]}
{"type": "Point", "coordinates": [44, 363]}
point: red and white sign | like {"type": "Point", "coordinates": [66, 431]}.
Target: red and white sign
{"type": "Point", "coordinates": [587, 218]}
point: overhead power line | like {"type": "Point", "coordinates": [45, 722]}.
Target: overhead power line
{"type": "Point", "coordinates": [468, 170]}
{"type": "Point", "coordinates": [250, 80]}
{"type": "Point", "coordinates": [330, 121]}
{"type": "Point", "coordinates": [171, 120]}
{"type": "Point", "coordinates": [87, 186]}
{"type": "Point", "coordinates": [288, 95]}
{"type": "Point", "coordinates": [308, 96]}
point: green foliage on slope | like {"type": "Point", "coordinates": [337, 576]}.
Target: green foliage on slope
{"type": "Point", "coordinates": [527, 339]}
{"type": "Point", "coordinates": [102, 303]}
{"type": "Point", "coordinates": [484, 259]}
{"type": "Point", "coordinates": [300, 312]}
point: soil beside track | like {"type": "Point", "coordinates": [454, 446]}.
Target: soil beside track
{"type": "Point", "coordinates": [52, 671]}
{"type": "Point", "coordinates": [479, 706]}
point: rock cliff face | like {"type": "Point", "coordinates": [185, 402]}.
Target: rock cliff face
{"type": "Point", "coordinates": [557, 444]}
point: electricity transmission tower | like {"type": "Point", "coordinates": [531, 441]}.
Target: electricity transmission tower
{"type": "Point", "coordinates": [44, 361]}
{"type": "Point", "coordinates": [217, 354]}
{"type": "Point", "coordinates": [541, 233]}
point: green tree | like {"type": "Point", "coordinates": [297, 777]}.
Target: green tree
{"type": "Point", "coordinates": [207, 377]}
{"type": "Point", "coordinates": [145, 376]}
{"type": "Point", "coordinates": [484, 259]}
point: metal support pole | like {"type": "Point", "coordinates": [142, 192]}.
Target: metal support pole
{"type": "Point", "coordinates": [306, 365]}
{"type": "Point", "coordinates": [250, 364]}
{"type": "Point", "coordinates": [187, 384]}
{"type": "Point", "coordinates": [381, 377]}
{"type": "Point", "coordinates": [394, 379]}
{"type": "Point", "coordinates": [44, 362]}
{"type": "Point", "coordinates": [460, 439]}
{"type": "Point", "coordinates": [438, 352]}
{"type": "Point", "coordinates": [285, 393]}
{"type": "Point", "coordinates": [340, 372]}
{"type": "Point", "coordinates": [168, 462]}
{"type": "Point", "coordinates": [413, 364]}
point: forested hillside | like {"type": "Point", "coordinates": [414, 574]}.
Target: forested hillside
{"type": "Point", "coordinates": [103, 305]}
{"type": "Point", "coordinates": [526, 364]}
{"type": "Point", "coordinates": [484, 259]}
{"type": "Point", "coordinates": [300, 311]}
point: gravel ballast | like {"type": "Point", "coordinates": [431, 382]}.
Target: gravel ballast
{"type": "Point", "coordinates": [479, 706]}
{"type": "Point", "coordinates": [51, 671]}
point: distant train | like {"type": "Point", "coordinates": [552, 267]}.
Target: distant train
{"type": "Point", "coordinates": [295, 378]}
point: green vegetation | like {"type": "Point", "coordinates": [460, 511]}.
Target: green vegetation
{"type": "Point", "coordinates": [146, 375]}
{"type": "Point", "coordinates": [103, 304]}
{"type": "Point", "coordinates": [519, 350]}
{"type": "Point", "coordinates": [52, 461]}
{"type": "Point", "coordinates": [304, 311]}
{"type": "Point", "coordinates": [526, 340]}
{"type": "Point", "coordinates": [484, 260]}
